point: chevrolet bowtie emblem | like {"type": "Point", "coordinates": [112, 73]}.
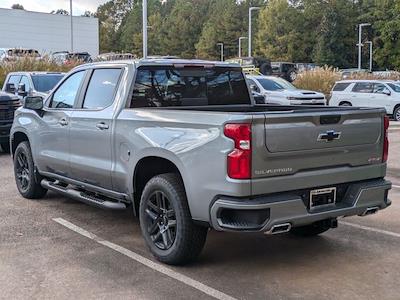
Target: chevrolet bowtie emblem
{"type": "Point", "coordinates": [329, 136]}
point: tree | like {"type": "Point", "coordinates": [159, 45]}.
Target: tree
{"type": "Point", "coordinates": [17, 6]}
{"type": "Point", "coordinates": [60, 12]}
{"type": "Point", "coordinates": [111, 15]}
{"type": "Point", "coordinates": [335, 34]}
{"type": "Point", "coordinates": [88, 14]}
{"type": "Point", "coordinates": [225, 25]}
{"type": "Point", "coordinates": [281, 32]}
{"type": "Point", "coordinates": [183, 26]}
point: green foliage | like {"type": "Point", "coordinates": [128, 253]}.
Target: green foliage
{"type": "Point", "coordinates": [17, 6]}
{"type": "Point", "coordinates": [321, 31]}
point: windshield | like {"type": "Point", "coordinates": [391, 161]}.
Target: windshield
{"type": "Point", "coordinates": [45, 82]}
{"type": "Point", "coordinates": [275, 84]}
{"type": "Point", "coordinates": [189, 86]}
{"type": "Point", "coordinates": [394, 87]}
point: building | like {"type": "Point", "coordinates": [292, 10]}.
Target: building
{"type": "Point", "coordinates": [48, 32]}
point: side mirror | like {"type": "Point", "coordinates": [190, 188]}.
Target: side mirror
{"type": "Point", "coordinates": [258, 98]}
{"type": "Point", "coordinates": [386, 92]}
{"type": "Point", "coordinates": [253, 87]}
{"type": "Point", "coordinates": [10, 88]}
{"type": "Point", "coordinates": [34, 103]}
{"type": "Point", "coordinates": [21, 90]}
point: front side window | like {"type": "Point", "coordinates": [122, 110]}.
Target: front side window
{"type": "Point", "coordinates": [101, 88]}
{"type": "Point", "coordinates": [65, 95]}
{"type": "Point", "coordinates": [253, 85]}
{"type": "Point", "coordinates": [363, 87]}
{"type": "Point", "coordinates": [14, 79]}
{"type": "Point", "coordinates": [25, 80]}
{"type": "Point", "coordinates": [189, 86]}
{"type": "Point", "coordinates": [380, 88]}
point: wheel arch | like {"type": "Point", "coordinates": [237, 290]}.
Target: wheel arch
{"type": "Point", "coordinates": [341, 102]}
{"type": "Point", "coordinates": [17, 138]}
{"type": "Point", "coordinates": [145, 169]}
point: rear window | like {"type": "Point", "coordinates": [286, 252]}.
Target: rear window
{"type": "Point", "coordinates": [341, 86]}
{"type": "Point", "coordinates": [189, 86]}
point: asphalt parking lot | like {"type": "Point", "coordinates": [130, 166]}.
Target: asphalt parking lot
{"type": "Point", "coordinates": [60, 248]}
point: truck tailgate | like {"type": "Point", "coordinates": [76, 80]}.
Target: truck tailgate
{"type": "Point", "coordinates": [291, 143]}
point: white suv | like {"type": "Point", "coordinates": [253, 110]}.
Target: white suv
{"type": "Point", "coordinates": [281, 92]}
{"type": "Point", "coordinates": [368, 93]}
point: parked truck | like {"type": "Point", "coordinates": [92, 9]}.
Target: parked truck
{"type": "Point", "coordinates": [182, 144]}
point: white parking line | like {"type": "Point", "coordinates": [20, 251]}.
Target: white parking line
{"type": "Point", "coordinates": [147, 262]}
{"type": "Point", "coordinates": [396, 186]}
{"type": "Point", "coordinates": [395, 234]}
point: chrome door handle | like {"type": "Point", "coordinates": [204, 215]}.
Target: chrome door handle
{"type": "Point", "coordinates": [102, 126]}
{"type": "Point", "coordinates": [63, 122]}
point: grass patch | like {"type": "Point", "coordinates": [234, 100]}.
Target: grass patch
{"type": "Point", "coordinates": [32, 64]}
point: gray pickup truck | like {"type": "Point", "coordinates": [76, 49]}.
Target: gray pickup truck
{"type": "Point", "coordinates": [182, 143]}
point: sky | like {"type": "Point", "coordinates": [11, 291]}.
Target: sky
{"type": "Point", "coordinates": [78, 6]}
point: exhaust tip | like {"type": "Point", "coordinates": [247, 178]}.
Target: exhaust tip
{"type": "Point", "coordinates": [370, 211]}
{"type": "Point", "coordinates": [280, 228]}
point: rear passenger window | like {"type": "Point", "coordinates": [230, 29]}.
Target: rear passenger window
{"type": "Point", "coordinates": [363, 87]}
{"type": "Point", "coordinates": [101, 88]}
{"type": "Point", "coordinates": [341, 86]}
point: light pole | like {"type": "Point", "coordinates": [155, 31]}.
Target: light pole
{"type": "Point", "coordinates": [360, 26]}
{"type": "Point", "coordinates": [222, 50]}
{"type": "Point", "coordinates": [72, 26]}
{"type": "Point", "coordinates": [240, 44]}
{"type": "Point", "coordinates": [250, 10]}
{"type": "Point", "coordinates": [144, 28]}
{"type": "Point", "coordinates": [370, 55]}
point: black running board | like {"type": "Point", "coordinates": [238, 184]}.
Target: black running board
{"type": "Point", "coordinates": [82, 196]}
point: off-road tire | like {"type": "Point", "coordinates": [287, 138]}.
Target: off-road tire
{"type": "Point", "coordinates": [310, 230]}
{"type": "Point", "coordinates": [189, 237]}
{"type": "Point", "coordinates": [345, 103]}
{"type": "Point", "coordinates": [30, 188]}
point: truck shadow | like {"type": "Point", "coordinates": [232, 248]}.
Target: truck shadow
{"type": "Point", "coordinates": [229, 251]}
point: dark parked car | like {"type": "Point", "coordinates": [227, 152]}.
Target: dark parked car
{"type": "Point", "coordinates": [286, 70]}
{"type": "Point", "coordinates": [262, 65]}
{"type": "Point", "coordinates": [8, 104]}
{"type": "Point", "coordinates": [82, 56]}
{"type": "Point", "coordinates": [32, 83]}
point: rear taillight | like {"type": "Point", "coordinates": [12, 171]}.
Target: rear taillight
{"type": "Point", "coordinates": [239, 160]}
{"type": "Point", "coordinates": [385, 139]}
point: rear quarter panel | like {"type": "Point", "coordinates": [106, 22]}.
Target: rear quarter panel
{"type": "Point", "coordinates": [192, 140]}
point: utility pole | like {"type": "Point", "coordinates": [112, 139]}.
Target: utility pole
{"type": "Point", "coordinates": [72, 26]}
{"type": "Point", "coordinates": [144, 28]}
{"type": "Point", "coordinates": [250, 10]}
{"type": "Point", "coordinates": [222, 50]}
{"type": "Point", "coordinates": [240, 45]}
{"type": "Point", "coordinates": [370, 55]}
{"type": "Point", "coordinates": [360, 26]}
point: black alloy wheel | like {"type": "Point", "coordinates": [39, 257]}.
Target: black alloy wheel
{"type": "Point", "coordinates": [161, 220]}
{"type": "Point", "coordinates": [22, 171]}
